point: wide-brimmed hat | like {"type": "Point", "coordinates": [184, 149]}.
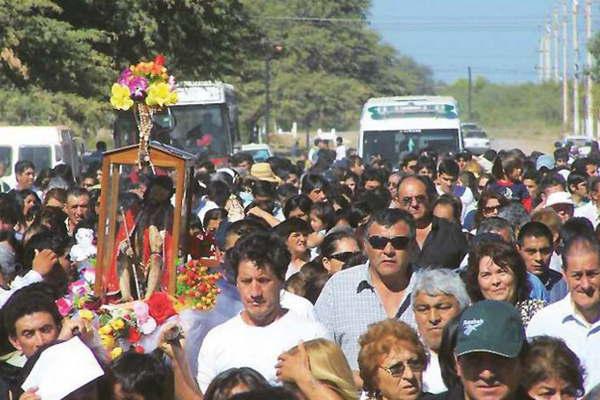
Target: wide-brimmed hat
{"type": "Point", "coordinates": [559, 198]}
{"type": "Point", "coordinates": [263, 172]}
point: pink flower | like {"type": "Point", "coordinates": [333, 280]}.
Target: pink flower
{"type": "Point", "coordinates": [64, 306]}
{"type": "Point", "coordinates": [141, 311]}
{"type": "Point", "coordinates": [78, 288]}
{"type": "Point", "coordinates": [138, 86]}
{"type": "Point", "coordinates": [125, 77]}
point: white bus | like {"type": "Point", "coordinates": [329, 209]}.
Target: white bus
{"type": "Point", "coordinates": [394, 126]}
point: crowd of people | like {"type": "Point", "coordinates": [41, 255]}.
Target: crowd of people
{"type": "Point", "coordinates": [447, 276]}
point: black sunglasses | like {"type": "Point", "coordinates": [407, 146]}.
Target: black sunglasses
{"type": "Point", "coordinates": [398, 242]}
{"type": "Point", "coordinates": [344, 256]}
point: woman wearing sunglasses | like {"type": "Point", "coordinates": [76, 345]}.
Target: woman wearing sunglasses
{"type": "Point", "coordinates": [392, 360]}
{"type": "Point", "coordinates": [337, 248]}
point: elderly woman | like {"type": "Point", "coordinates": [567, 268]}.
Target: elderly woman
{"type": "Point", "coordinates": [552, 370]}
{"type": "Point", "coordinates": [438, 296]}
{"type": "Point", "coordinates": [496, 272]}
{"type": "Point", "coordinates": [391, 361]}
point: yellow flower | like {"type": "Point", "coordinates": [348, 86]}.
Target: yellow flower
{"type": "Point", "coordinates": [105, 330]}
{"type": "Point", "coordinates": [116, 352]}
{"type": "Point", "coordinates": [108, 342]}
{"type": "Point", "coordinates": [117, 324]}
{"type": "Point", "coordinates": [160, 94]}
{"type": "Point", "coordinates": [120, 97]}
{"type": "Point", "coordinates": [86, 314]}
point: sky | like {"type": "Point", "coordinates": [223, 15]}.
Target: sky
{"type": "Point", "coordinates": [499, 39]}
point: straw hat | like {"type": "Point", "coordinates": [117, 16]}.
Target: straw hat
{"type": "Point", "coordinates": [263, 172]}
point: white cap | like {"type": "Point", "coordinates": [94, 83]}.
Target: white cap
{"type": "Point", "coordinates": [559, 198]}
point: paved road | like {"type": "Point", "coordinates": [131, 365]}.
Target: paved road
{"type": "Point", "coordinates": [526, 145]}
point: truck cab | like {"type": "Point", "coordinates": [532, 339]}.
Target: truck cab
{"type": "Point", "coordinates": [45, 146]}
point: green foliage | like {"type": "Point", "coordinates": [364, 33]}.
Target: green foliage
{"type": "Point", "coordinates": [58, 58]}
{"type": "Point", "coordinates": [508, 105]}
{"type": "Point", "coordinates": [329, 67]}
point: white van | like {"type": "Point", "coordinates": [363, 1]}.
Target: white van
{"type": "Point", "coordinates": [45, 146]}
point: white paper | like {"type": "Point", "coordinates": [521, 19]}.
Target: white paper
{"type": "Point", "coordinates": [62, 369]}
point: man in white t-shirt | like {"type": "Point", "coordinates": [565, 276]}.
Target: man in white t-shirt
{"type": "Point", "coordinates": [263, 329]}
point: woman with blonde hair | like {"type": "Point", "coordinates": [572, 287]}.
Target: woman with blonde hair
{"type": "Point", "coordinates": [319, 370]}
{"type": "Point", "coordinates": [391, 361]}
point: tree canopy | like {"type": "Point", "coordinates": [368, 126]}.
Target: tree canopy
{"type": "Point", "coordinates": [59, 57]}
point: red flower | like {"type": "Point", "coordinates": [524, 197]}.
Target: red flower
{"type": "Point", "coordinates": [160, 307]}
{"type": "Point", "coordinates": [134, 335]}
{"type": "Point", "coordinates": [138, 349]}
{"type": "Point", "coordinates": [159, 60]}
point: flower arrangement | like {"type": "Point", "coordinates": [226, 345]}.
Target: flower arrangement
{"type": "Point", "coordinates": [147, 87]}
{"type": "Point", "coordinates": [146, 83]}
{"type": "Point", "coordinates": [197, 286]}
{"type": "Point", "coordinates": [125, 326]}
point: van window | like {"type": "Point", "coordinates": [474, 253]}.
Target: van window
{"type": "Point", "coordinates": [6, 160]}
{"type": "Point", "coordinates": [39, 155]}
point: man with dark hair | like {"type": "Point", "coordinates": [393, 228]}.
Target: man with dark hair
{"type": "Point", "coordinates": [77, 208]}
{"type": "Point", "coordinates": [409, 164]}
{"type": "Point", "coordinates": [25, 174]}
{"type": "Point", "coordinates": [594, 192]}
{"type": "Point", "coordinates": [577, 184]}
{"type": "Point", "coordinates": [356, 165]}
{"type": "Point", "coordinates": [372, 179]}
{"type": "Point", "coordinates": [440, 243]}
{"type": "Point", "coordinates": [576, 318]}
{"type": "Point", "coordinates": [447, 177]}
{"type": "Point", "coordinates": [535, 247]}
{"type": "Point", "coordinates": [31, 320]}
{"type": "Point", "coordinates": [241, 162]}
{"type": "Point", "coordinates": [264, 329]}
{"type": "Point", "coordinates": [376, 290]}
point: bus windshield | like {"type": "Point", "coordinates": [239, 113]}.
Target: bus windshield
{"type": "Point", "coordinates": [198, 129]}
{"type": "Point", "coordinates": [393, 144]}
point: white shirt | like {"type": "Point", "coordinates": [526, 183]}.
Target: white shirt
{"type": "Point", "coordinates": [432, 377]}
{"type": "Point", "coordinates": [560, 320]}
{"type": "Point", "coordinates": [237, 344]}
{"type": "Point", "coordinates": [297, 304]}
{"type": "Point", "coordinates": [19, 282]}
{"type": "Point", "coordinates": [340, 152]}
{"type": "Point", "coordinates": [587, 210]}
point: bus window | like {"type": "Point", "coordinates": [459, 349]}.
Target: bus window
{"type": "Point", "coordinates": [40, 156]}
{"type": "Point", "coordinates": [5, 160]}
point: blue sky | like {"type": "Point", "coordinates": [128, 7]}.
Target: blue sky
{"type": "Point", "coordinates": [499, 39]}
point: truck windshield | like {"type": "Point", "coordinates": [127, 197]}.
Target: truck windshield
{"type": "Point", "coordinates": [199, 129]}
{"type": "Point", "coordinates": [393, 144]}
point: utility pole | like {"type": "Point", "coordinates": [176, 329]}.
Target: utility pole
{"type": "Point", "coordinates": [555, 76]}
{"type": "Point", "coordinates": [576, 130]}
{"type": "Point", "coordinates": [541, 66]}
{"type": "Point", "coordinates": [589, 100]}
{"type": "Point", "coordinates": [548, 53]}
{"type": "Point", "coordinates": [470, 94]}
{"type": "Point", "coordinates": [565, 72]}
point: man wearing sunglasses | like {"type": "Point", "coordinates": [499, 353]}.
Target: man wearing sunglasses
{"type": "Point", "coordinates": [354, 298]}
{"type": "Point", "coordinates": [440, 243]}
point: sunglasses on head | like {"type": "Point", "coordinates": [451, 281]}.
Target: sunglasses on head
{"type": "Point", "coordinates": [344, 256]}
{"type": "Point", "coordinates": [398, 242]}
